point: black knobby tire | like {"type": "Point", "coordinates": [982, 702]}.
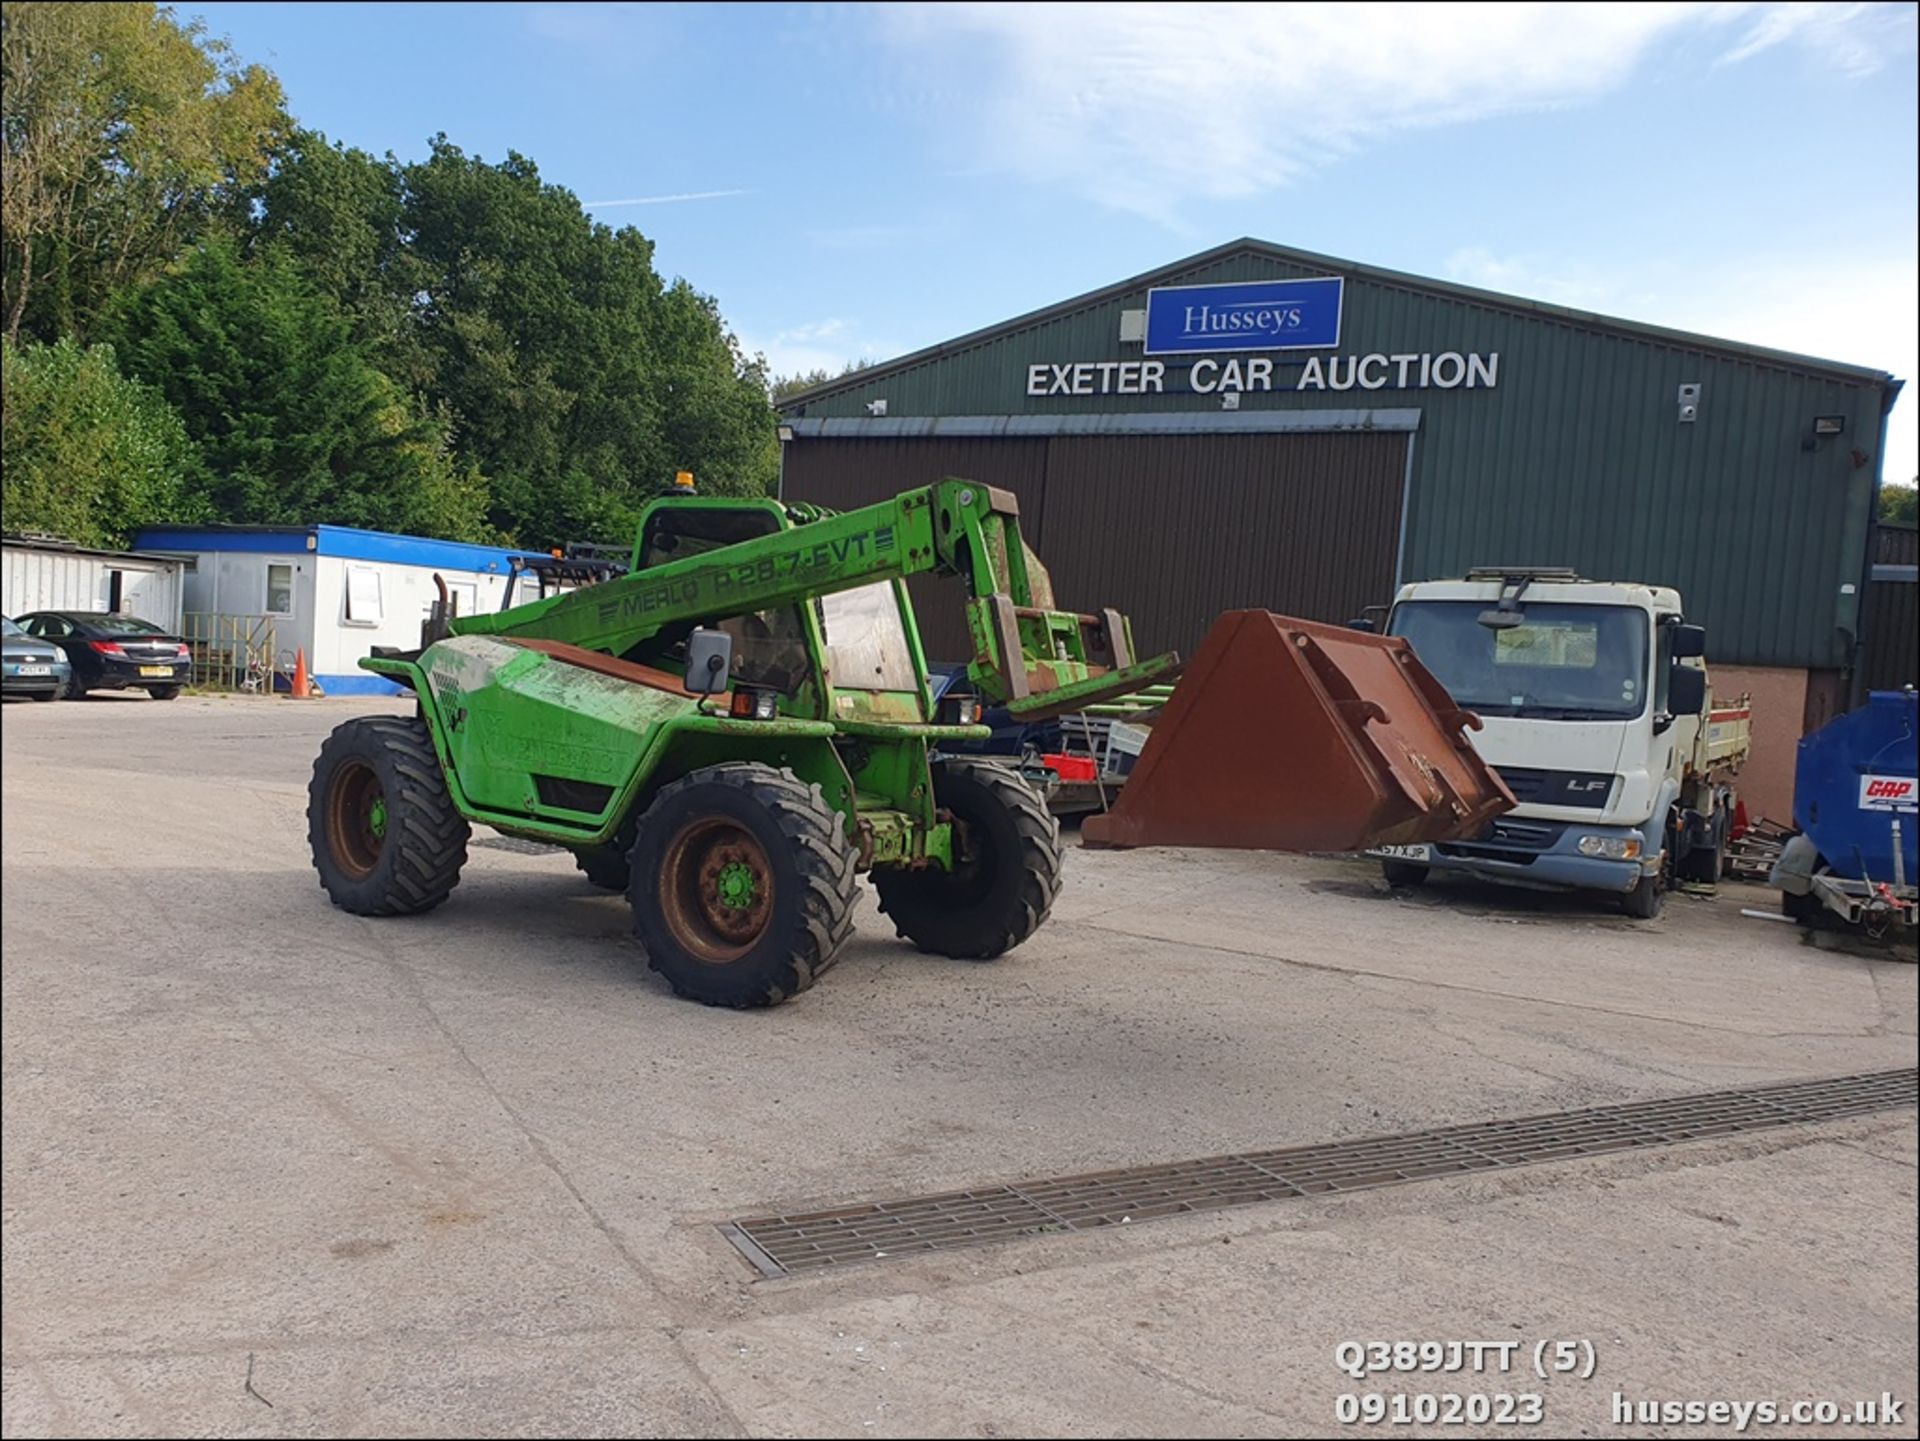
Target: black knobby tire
{"type": "Point", "coordinates": [1008, 862]}
{"type": "Point", "coordinates": [1404, 873]}
{"type": "Point", "coordinates": [604, 866]}
{"type": "Point", "coordinates": [164, 692]}
{"type": "Point", "coordinates": [742, 882]}
{"type": "Point", "coordinates": [386, 838]}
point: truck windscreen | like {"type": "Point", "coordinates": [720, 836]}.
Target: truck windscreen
{"type": "Point", "coordinates": [1562, 662]}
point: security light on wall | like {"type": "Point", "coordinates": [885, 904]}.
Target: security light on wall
{"type": "Point", "coordinates": [876, 407]}
{"type": "Point", "coordinates": [785, 433]}
{"type": "Point", "coordinates": [1825, 425]}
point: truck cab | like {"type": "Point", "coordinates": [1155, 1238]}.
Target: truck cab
{"type": "Point", "coordinates": [1595, 709]}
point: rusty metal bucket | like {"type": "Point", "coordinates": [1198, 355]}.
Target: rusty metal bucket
{"type": "Point", "coordinates": [1288, 735]}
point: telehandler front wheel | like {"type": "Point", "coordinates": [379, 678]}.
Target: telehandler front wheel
{"type": "Point", "coordinates": [742, 884]}
{"type": "Point", "coordinates": [386, 838]}
{"type": "Point", "coordinates": [603, 866]}
{"type": "Point", "coordinates": [1006, 872]}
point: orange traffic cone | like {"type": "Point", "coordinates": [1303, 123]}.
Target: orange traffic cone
{"type": "Point", "coordinates": [302, 687]}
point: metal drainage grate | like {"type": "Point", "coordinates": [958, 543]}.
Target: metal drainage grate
{"type": "Point", "coordinates": [813, 1240]}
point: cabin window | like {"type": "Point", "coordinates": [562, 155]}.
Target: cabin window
{"type": "Point", "coordinates": [363, 595]}
{"type": "Point", "coordinates": [279, 590]}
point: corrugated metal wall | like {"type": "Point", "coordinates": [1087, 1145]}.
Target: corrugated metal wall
{"type": "Point", "coordinates": [1891, 618]}
{"type": "Point", "coordinates": [1170, 529]}
{"type": "Point", "coordinates": [1896, 545]}
{"type": "Point", "coordinates": [1577, 456]}
{"type": "Point", "coordinates": [47, 579]}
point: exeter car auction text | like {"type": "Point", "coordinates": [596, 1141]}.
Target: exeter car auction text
{"type": "Point", "coordinates": [1446, 371]}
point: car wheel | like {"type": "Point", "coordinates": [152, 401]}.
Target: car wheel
{"type": "Point", "coordinates": [164, 692]}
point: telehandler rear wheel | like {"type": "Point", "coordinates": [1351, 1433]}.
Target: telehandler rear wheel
{"type": "Point", "coordinates": [386, 838]}
{"type": "Point", "coordinates": [1007, 858]}
{"type": "Point", "coordinates": [742, 884]}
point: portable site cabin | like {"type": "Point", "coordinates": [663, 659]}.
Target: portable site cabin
{"type": "Point", "coordinates": [38, 573]}
{"type": "Point", "coordinates": [330, 590]}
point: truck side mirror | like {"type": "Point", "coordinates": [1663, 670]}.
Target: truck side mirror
{"type": "Point", "coordinates": [1362, 622]}
{"type": "Point", "coordinates": [709, 661]}
{"type": "Point", "coordinates": [1686, 689]}
{"type": "Point", "coordinates": [1687, 641]}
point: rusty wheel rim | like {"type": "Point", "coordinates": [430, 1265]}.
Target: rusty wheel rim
{"type": "Point", "coordinates": [716, 890]}
{"type": "Point", "coordinates": [356, 819]}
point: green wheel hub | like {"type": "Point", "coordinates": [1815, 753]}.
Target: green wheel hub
{"type": "Point", "coordinates": [377, 817]}
{"type": "Point", "coordinates": [735, 886]}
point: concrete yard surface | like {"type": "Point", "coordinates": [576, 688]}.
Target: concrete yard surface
{"type": "Point", "coordinates": [271, 1169]}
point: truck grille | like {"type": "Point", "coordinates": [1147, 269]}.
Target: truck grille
{"type": "Point", "coordinates": [1587, 789]}
{"type": "Point", "coordinates": [1517, 842]}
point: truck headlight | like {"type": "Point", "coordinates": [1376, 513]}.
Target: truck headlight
{"type": "Point", "coordinates": [1611, 848]}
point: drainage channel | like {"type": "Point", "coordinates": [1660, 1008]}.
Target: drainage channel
{"type": "Point", "coordinates": [817, 1240]}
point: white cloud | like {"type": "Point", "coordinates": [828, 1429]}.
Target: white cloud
{"type": "Point", "coordinates": [827, 345]}
{"type": "Point", "coordinates": [1861, 310]}
{"type": "Point", "coordinates": [1143, 106]}
{"type": "Point", "coordinates": [1854, 38]}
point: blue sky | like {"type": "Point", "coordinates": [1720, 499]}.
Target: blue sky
{"type": "Point", "coordinates": [869, 180]}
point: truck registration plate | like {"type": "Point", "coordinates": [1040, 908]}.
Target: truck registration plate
{"type": "Point", "coordinates": [1403, 853]}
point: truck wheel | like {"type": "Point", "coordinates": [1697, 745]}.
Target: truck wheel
{"type": "Point", "coordinates": [603, 866]}
{"type": "Point", "coordinates": [1404, 873]}
{"type": "Point", "coordinates": [386, 838]}
{"type": "Point", "coordinates": [742, 883]}
{"type": "Point", "coordinates": [1007, 857]}
{"type": "Point", "coordinates": [1646, 899]}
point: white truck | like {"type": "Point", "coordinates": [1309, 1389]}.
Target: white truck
{"type": "Point", "coordinates": [1596, 711]}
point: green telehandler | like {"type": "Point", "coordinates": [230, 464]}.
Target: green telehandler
{"type": "Point", "coordinates": [731, 732]}
{"type": "Point", "coordinates": [738, 726]}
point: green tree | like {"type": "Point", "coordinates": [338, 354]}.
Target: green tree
{"type": "Point", "coordinates": [784, 386]}
{"type": "Point", "coordinates": [336, 212]}
{"type": "Point", "coordinates": [713, 400]}
{"type": "Point", "coordinates": [1900, 504]}
{"type": "Point", "coordinates": [294, 421]}
{"type": "Point", "coordinates": [571, 376]}
{"type": "Point", "coordinates": [88, 454]}
{"type": "Point", "coordinates": [120, 129]}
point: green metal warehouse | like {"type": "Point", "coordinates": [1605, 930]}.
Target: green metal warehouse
{"type": "Point", "coordinates": [1261, 426]}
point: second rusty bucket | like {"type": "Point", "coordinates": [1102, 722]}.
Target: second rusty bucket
{"type": "Point", "coordinates": [1289, 735]}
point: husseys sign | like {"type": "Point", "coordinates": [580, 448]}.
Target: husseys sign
{"type": "Point", "coordinates": [1245, 315]}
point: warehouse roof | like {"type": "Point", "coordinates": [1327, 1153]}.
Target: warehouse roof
{"type": "Point", "coordinates": [1446, 289]}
